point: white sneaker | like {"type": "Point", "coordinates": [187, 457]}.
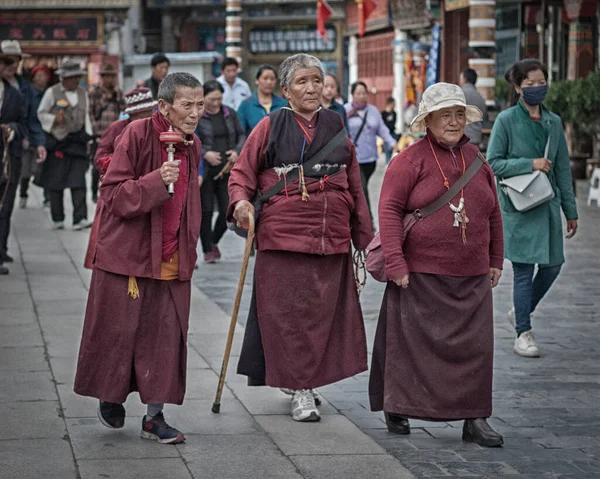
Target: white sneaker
{"type": "Point", "coordinates": [58, 225]}
{"type": "Point", "coordinates": [22, 203]}
{"type": "Point", "coordinates": [525, 346]}
{"type": "Point", "coordinates": [316, 395]}
{"type": "Point", "coordinates": [512, 318]}
{"type": "Point", "coordinates": [81, 225]}
{"type": "Point", "coordinates": [304, 408]}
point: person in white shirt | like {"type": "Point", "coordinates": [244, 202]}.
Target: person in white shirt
{"type": "Point", "coordinates": [236, 89]}
{"type": "Point", "coordinates": [64, 113]}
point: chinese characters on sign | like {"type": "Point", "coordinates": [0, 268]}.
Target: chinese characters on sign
{"type": "Point", "coordinates": [37, 29]}
{"type": "Point", "coordinates": [291, 40]}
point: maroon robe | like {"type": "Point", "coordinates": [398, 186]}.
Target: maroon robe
{"type": "Point", "coordinates": [305, 328]}
{"type": "Point", "coordinates": [138, 344]}
{"type": "Point", "coordinates": [106, 147]}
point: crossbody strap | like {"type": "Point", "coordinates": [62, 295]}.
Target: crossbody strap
{"type": "Point", "coordinates": [453, 191]}
{"type": "Point", "coordinates": [362, 127]}
{"type": "Point", "coordinates": [293, 175]}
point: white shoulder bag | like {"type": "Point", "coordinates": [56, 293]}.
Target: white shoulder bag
{"type": "Point", "coordinates": [530, 190]}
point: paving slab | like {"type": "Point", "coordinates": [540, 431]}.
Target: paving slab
{"type": "Point", "coordinates": [232, 457]}
{"type": "Point", "coordinates": [32, 420]}
{"type": "Point", "coordinates": [37, 458]}
{"type": "Point", "coordinates": [133, 468]}
{"type": "Point", "coordinates": [27, 386]}
{"type": "Point", "coordinates": [350, 466]}
{"type": "Point", "coordinates": [92, 440]}
{"type": "Point", "coordinates": [334, 434]}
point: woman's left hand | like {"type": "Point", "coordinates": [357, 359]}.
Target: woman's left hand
{"type": "Point", "coordinates": [571, 228]}
{"type": "Point", "coordinates": [495, 275]}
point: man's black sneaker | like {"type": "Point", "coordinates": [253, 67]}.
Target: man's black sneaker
{"type": "Point", "coordinates": [157, 429]}
{"type": "Point", "coordinates": [6, 258]}
{"type": "Point", "coordinates": [111, 414]}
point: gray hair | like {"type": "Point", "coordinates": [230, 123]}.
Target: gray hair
{"type": "Point", "coordinates": [295, 62]}
{"type": "Point", "coordinates": [168, 87]}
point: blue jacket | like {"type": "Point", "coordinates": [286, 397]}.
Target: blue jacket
{"type": "Point", "coordinates": [251, 111]}
{"type": "Point", "coordinates": [32, 97]}
{"type": "Point", "coordinates": [366, 146]}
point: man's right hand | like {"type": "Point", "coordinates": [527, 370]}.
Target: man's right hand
{"type": "Point", "coordinates": [169, 171]}
{"type": "Point", "coordinates": [213, 158]}
{"type": "Point", "coordinates": [242, 212]}
{"type": "Point", "coordinates": [543, 164]}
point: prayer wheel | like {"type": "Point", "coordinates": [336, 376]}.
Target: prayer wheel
{"type": "Point", "coordinates": [482, 23]}
{"type": "Point", "coordinates": [486, 78]}
{"type": "Point", "coordinates": [233, 29]}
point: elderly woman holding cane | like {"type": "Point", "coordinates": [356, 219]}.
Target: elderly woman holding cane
{"type": "Point", "coordinates": [434, 345]}
{"type": "Point", "coordinates": [305, 326]}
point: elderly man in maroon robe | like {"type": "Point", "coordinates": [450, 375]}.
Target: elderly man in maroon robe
{"type": "Point", "coordinates": [305, 327]}
{"type": "Point", "coordinates": [136, 322]}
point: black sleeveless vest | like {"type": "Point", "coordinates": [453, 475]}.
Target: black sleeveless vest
{"type": "Point", "coordinates": [286, 139]}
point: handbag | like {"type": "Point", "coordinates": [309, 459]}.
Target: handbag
{"type": "Point", "coordinates": [261, 198]}
{"type": "Point", "coordinates": [528, 191]}
{"type": "Point", "coordinates": [375, 256]}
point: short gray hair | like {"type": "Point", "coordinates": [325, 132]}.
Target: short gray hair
{"type": "Point", "coordinates": [168, 87]}
{"type": "Point", "coordinates": [295, 62]}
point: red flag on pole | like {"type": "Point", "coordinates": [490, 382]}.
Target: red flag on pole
{"type": "Point", "coordinates": [323, 13]}
{"type": "Point", "coordinates": [365, 8]}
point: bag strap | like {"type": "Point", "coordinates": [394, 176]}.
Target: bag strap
{"type": "Point", "coordinates": [362, 126]}
{"type": "Point", "coordinates": [453, 191]}
{"type": "Point", "coordinates": [321, 154]}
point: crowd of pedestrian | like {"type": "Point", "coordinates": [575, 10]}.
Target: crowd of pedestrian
{"type": "Point", "coordinates": [165, 153]}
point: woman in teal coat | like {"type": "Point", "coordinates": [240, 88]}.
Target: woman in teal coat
{"type": "Point", "coordinates": [517, 146]}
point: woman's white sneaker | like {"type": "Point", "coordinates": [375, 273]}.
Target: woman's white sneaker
{"type": "Point", "coordinates": [304, 408]}
{"type": "Point", "coordinates": [511, 318]}
{"type": "Point", "coordinates": [525, 346]}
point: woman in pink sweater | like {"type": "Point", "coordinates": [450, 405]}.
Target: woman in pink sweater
{"type": "Point", "coordinates": [433, 352]}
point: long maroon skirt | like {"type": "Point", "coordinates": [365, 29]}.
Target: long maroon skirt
{"type": "Point", "coordinates": [134, 344]}
{"type": "Point", "coordinates": [434, 349]}
{"type": "Point", "coordinates": [305, 328]}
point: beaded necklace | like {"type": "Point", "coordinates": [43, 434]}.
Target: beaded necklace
{"type": "Point", "coordinates": [460, 215]}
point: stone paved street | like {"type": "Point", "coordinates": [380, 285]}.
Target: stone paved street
{"type": "Point", "coordinates": [548, 409]}
{"type": "Point", "coordinates": [51, 433]}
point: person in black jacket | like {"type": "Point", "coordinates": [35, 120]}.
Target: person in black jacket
{"type": "Point", "coordinates": [160, 69]}
{"type": "Point", "coordinates": [222, 138]}
{"type": "Point", "coordinates": [13, 130]}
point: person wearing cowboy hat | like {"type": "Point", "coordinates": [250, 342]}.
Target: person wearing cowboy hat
{"type": "Point", "coordinates": [64, 115]}
{"type": "Point", "coordinates": [34, 156]}
{"type": "Point", "coordinates": [106, 104]}
{"type": "Point", "coordinates": [33, 145]}
{"type": "Point", "coordinates": [434, 346]}
{"type": "Point", "coordinates": [13, 129]}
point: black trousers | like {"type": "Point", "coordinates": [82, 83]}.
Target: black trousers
{"type": "Point", "coordinates": [10, 190]}
{"type": "Point", "coordinates": [57, 208]}
{"type": "Point", "coordinates": [95, 171]}
{"type": "Point", "coordinates": [210, 190]}
{"type": "Point", "coordinates": [366, 171]}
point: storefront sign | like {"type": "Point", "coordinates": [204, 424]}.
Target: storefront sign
{"type": "Point", "coordinates": [291, 40]}
{"type": "Point", "coordinates": [455, 4]}
{"type": "Point", "coordinates": [52, 30]}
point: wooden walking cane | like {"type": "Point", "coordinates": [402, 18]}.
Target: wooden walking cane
{"type": "Point", "coordinates": [216, 408]}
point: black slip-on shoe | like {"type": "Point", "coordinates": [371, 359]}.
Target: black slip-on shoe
{"type": "Point", "coordinates": [480, 432]}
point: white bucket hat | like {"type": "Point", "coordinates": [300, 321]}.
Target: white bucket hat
{"type": "Point", "coordinates": [13, 47]}
{"type": "Point", "coordinates": [438, 97]}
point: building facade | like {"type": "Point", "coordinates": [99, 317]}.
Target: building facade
{"type": "Point", "coordinates": [91, 32]}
